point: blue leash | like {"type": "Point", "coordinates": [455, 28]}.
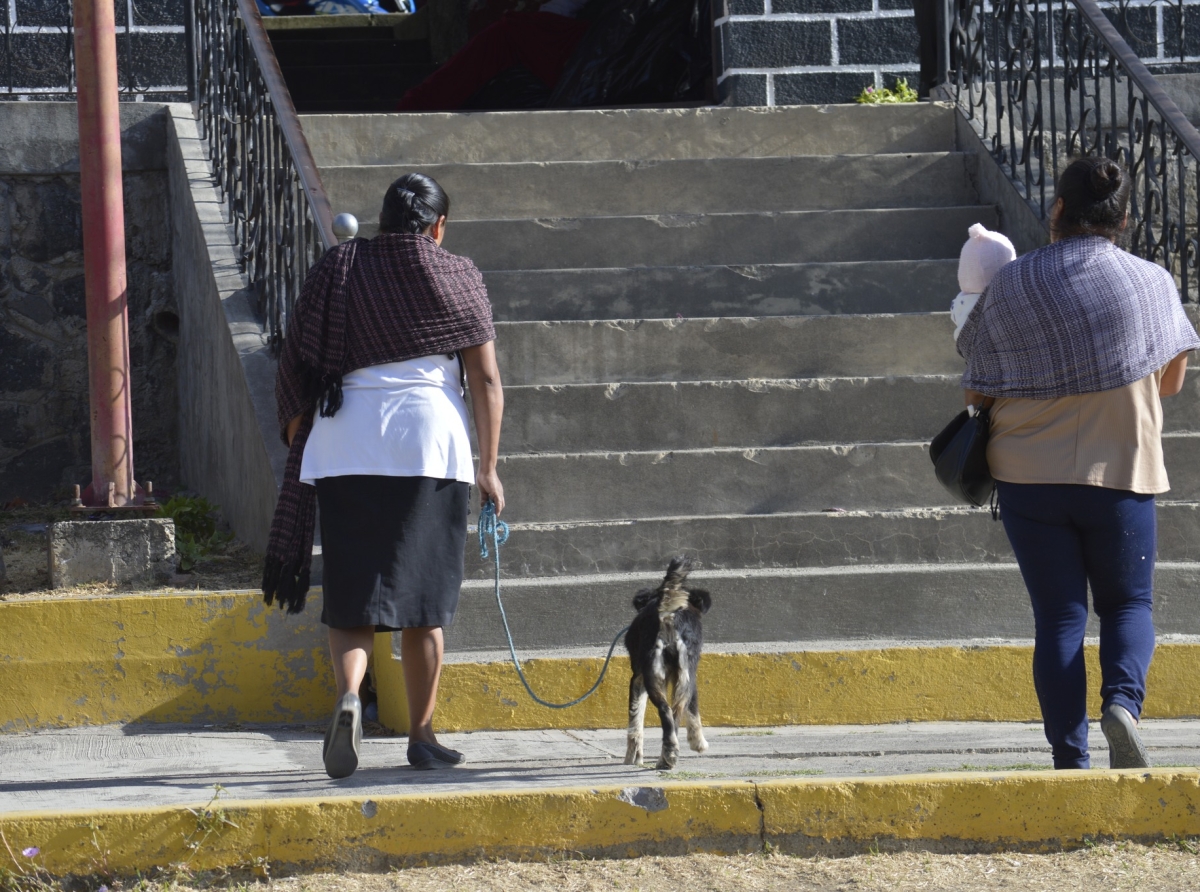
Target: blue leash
{"type": "Point", "coordinates": [492, 527]}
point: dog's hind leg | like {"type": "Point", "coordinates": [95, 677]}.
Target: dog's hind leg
{"type": "Point", "coordinates": [695, 730]}
{"type": "Point", "coordinates": [670, 746]}
{"type": "Point", "coordinates": [637, 716]}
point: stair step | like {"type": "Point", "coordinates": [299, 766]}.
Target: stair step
{"type": "Point", "coordinates": [803, 539]}
{"type": "Point", "coordinates": [748, 413]}
{"type": "Point", "coordinates": [745, 413]}
{"type": "Point", "coordinates": [627, 134]}
{"type": "Point", "coordinates": [518, 191]}
{"type": "Point", "coordinates": [765, 289]}
{"type": "Point", "coordinates": [915, 602]}
{"type": "Point", "coordinates": [582, 352]}
{"type": "Point", "coordinates": [711, 239]}
{"type": "Point", "coordinates": [860, 476]}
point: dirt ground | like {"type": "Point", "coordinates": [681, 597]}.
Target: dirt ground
{"type": "Point", "coordinates": [1164, 867]}
{"type": "Point", "coordinates": [23, 544]}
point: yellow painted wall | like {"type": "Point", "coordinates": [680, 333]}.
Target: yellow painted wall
{"type": "Point", "coordinates": [161, 658]}
{"type": "Point", "coordinates": [800, 688]}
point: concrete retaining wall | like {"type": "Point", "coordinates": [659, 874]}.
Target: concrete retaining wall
{"type": "Point", "coordinates": [229, 450]}
{"type": "Point", "coordinates": [44, 435]}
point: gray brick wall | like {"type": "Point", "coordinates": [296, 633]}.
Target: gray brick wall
{"type": "Point", "coordinates": [795, 52]}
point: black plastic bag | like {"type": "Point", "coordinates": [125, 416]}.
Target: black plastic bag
{"type": "Point", "coordinates": [640, 52]}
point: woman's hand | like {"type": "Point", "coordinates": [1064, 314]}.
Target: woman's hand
{"type": "Point", "coordinates": [292, 427]}
{"type": "Point", "coordinates": [1173, 376]}
{"type": "Point", "coordinates": [973, 398]}
{"type": "Point", "coordinates": [487, 402]}
{"type": "Point", "coordinates": [490, 489]}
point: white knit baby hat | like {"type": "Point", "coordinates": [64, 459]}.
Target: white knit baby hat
{"type": "Point", "coordinates": [981, 258]}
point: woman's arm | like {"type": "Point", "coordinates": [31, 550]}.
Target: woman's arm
{"type": "Point", "coordinates": [487, 400]}
{"type": "Point", "coordinates": [1173, 376]}
{"type": "Point", "coordinates": [292, 427]}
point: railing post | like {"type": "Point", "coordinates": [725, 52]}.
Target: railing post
{"type": "Point", "coordinates": [104, 253]}
{"type": "Point", "coordinates": [945, 21]}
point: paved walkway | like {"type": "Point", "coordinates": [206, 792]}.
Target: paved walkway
{"type": "Point", "coordinates": [154, 765]}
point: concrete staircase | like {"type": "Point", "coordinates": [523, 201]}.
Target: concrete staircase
{"type": "Point", "coordinates": [723, 333]}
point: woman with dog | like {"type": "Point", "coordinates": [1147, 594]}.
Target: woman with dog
{"type": "Point", "coordinates": [370, 392]}
{"type": "Point", "coordinates": [1074, 344]}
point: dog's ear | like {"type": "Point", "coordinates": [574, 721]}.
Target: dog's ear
{"type": "Point", "coordinates": [700, 599]}
{"type": "Point", "coordinates": [644, 597]}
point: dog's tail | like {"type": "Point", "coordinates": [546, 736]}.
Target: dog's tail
{"type": "Point", "coordinates": [677, 572]}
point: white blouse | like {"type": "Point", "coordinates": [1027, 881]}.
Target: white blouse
{"type": "Point", "coordinates": [398, 419]}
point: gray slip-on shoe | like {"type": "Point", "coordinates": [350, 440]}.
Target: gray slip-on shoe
{"type": "Point", "coordinates": [1125, 747]}
{"type": "Point", "coordinates": [343, 737]}
{"type": "Point", "coordinates": [431, 756]}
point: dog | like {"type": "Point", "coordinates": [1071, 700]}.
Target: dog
{"type": "Point", "coordinates": [664, 642]}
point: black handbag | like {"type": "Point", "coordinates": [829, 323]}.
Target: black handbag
{"type": "Point", "coordinates": [959, 456]}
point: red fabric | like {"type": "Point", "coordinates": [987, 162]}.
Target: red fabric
{"type": "Point", "coordinates": [541, 41]}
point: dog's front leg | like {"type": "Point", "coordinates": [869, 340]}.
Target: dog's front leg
{"type": "Point", "coordinates": [637, 716]}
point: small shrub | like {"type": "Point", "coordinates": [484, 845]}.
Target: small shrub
{"type": "Point", "coordinates": [196, 533]}
{"type": "Point", "coordinates": [901, 92]}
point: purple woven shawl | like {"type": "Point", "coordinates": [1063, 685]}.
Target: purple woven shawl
{"type": "Point", "coordinates": [390, 299]}
{"type": "Point", "coordinates": [1078, 316]}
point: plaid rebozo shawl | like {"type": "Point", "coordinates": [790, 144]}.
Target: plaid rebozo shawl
{"type": "Point", "coordinates": [1078, 316]}
{"type": "Point", "coordinates": [390, 299]}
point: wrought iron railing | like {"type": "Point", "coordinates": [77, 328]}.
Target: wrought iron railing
{"type": "Point", "coordinates": [37, 51]}
{"type": "Point", "coordinates": [1044, 81]}
{"type": "Point", "coordinates": [263, 167]}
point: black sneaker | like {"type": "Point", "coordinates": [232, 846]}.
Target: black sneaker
{"type": "Point", "coordinates": [431, 757]}
{"type": "Point", "coordinates": [1125, 747]}
{"type": "Point", "coordinates": [343, 737]}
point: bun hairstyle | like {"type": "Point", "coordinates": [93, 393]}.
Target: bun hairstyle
{"type": "Point", "coordinates": [412, 204]}
{"type": "Point", "coordinates": [1095, 198]}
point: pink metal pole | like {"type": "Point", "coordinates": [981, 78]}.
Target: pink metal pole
{"type": "Point", "coordinates": [104, 253]}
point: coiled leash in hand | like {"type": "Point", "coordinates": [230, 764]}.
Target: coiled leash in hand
{"type": "Point", "coordinates": [491, 527]}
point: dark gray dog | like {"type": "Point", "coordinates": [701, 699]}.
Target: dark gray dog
{"type": "Point", "coordinates": [664, 642]}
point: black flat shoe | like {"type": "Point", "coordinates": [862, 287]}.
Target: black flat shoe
{"type": "Point", "coordinates": [432, 757]}
{"type": "Point", "coordinates": [343, 737]}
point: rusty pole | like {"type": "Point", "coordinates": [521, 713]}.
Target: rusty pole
{"type": "Point", "coordinates": [104, 254]}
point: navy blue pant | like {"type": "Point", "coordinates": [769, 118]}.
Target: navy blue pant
{"type": "Point", "coordinates": [1064, 537]}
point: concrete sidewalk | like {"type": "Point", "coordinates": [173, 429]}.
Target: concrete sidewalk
{"type": "Point", "coordinates": [148, 766]}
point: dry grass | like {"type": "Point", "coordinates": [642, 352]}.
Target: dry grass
{"type": "Point", "coordinates": [1166, 867]}
{"type": "Point", "coordinates": [28, 573]}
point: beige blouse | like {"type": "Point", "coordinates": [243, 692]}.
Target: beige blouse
{"type": "Point", "coordinates": [1111, 439]}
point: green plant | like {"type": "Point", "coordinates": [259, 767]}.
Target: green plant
{"type": "Point", "coordinates": [196, 533]}
{"type": "Point", "coordinates": [26, 874]}
{"type": "Point", "coordinates": [209, 820]}
{"type": "Point", "coordinates": [901, 92]}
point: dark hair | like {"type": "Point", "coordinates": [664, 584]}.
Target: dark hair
{"type": "Point", "coordinates": [412, 204]}
{"type": "Point", "coordinates": [1095, 197]}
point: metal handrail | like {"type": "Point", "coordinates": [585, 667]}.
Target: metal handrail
{"type": "Point", "coordinates": [1141, 75]}
{"type": "Point", "coordinates": [261, 161]}
{"type": "Point", "coordinates": [289, 121]}
{"type": "Point", "coordinates": [1042, 81]}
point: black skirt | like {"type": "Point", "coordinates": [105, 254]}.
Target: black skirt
{"type": "Point", "coordinates": [392, 549]}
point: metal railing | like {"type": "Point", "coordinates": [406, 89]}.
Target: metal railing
{"type": "Point", "coordinates": [1044, 81]}
{"type": "Point", "coordinates": [37, 52]}
{"type": "Point", "coordinates": [263, 167]}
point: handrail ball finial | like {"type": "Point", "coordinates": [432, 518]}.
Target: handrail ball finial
{"type": "Point", "coordinates": [345, 227]}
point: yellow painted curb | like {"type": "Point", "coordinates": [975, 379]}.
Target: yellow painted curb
{"type": "Point", "coordinates": [964, 812]}
{"type": "Point", "coordinates": [161, 658]}
{"type": "Point", "coordinates": [801, 688]}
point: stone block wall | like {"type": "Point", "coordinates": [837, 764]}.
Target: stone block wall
{"type": "Point", "coordinates": [796, 52]}
{"type": "Point", "coordinates": [44, 427]}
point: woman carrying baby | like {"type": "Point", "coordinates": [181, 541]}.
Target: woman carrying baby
{"type": "Point", "coordinates": [1075, 343]}
{"type": "Point", "coordinates": [370, 400]}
